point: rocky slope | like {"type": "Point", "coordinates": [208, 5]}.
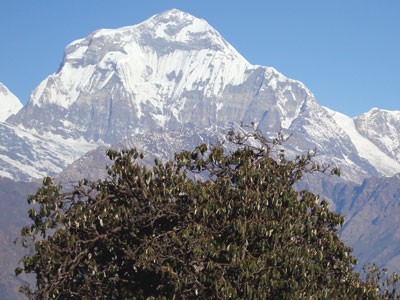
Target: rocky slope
{"type": "Point", "coordinates": [14, 207]}
{"type": "Point", "coordinates": [372, 211]}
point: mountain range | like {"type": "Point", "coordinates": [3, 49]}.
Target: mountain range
{"type": "Point", "coordinates": [172, 82]}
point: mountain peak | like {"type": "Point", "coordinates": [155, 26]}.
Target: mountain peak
{"type": "Point", "coordinates": [173, 15]}
{"type": "Point", "coordinates": [173, 49]}
{"type": "Point", "coordinates": [9, 103]}
{"type": "Point", "coordinates": [176, 25]}
{"type": "Point", "coordinates": [4, 91]}
{"type": "Point", "coordinates": [170, 71]}
{"type": "Point", "coordinates": [180, 28]}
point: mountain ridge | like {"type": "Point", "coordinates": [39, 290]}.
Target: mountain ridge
{"type": "Point", "coordinates": [176, 71]}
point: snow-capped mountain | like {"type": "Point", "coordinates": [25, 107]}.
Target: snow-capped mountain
{"type": "Point", "coordinates": [175, 71]}
{"type": "Point", "coordinates": [167, 72]}
{"type": "Point", "coordinates": [375, 138]}
{"type": "Point", "coordinates": [9, 103]}
{"type": "Point", "coordinates": [173, 82]}
{"type": "Point", "coordinates": [382, 127]}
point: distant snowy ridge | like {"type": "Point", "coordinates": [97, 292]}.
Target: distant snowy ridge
{"type": "Point", "coordinates": [367, 149]}
{"type": "Point", "coordinates": [382, 127]}
{"type": "Point", "coordinates": [9, 103]}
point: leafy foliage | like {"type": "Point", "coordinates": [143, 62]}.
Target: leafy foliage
{"type": "Point", "coordinates": [208, 225]}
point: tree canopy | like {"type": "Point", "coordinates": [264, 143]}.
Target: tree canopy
{"type": "Point", "coordinates": [209, 224]}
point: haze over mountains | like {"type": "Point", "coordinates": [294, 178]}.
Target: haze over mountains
{"type": "Point", "coordinates": [172, 82]}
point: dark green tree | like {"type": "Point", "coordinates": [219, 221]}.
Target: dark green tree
{"type": "Point", "coordinates": [206, 225]}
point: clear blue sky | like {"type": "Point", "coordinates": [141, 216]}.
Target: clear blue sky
{"type": "Point", "coordinates": [346, 51]}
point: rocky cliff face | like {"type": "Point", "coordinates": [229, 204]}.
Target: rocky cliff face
{"type": "Point", "coordinates": [371, 226]}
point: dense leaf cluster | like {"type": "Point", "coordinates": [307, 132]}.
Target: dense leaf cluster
{"type": "Point", "coordinates": [206, 225]}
